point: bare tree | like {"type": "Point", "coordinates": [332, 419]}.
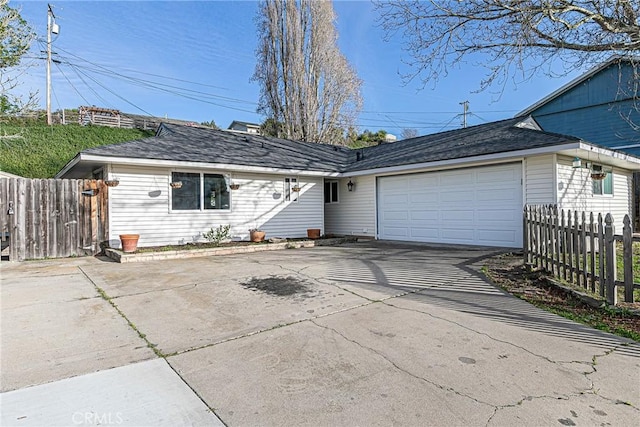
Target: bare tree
{"type": "Point", "coordinates": [409, 133]}
{"type": "Point", "coordinates": [514, 36]}
{"type": "Point", "coordinates": [307, 85]}
{"type": "Point", "coordinates": [15, 38]}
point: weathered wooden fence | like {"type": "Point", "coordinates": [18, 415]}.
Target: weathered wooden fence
{"type": "Point", "coordinates": [581, 250]}
{"type": "Point", "coordinates": [52, 218]}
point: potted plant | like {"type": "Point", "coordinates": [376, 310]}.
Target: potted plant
{"type": "Point", "coordinates": [313, 233]}
{"type": "Point", "coordinates": [129, 242]}
{"type": "Point", "coordinates": [256, 235]}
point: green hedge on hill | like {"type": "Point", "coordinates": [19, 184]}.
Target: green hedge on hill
{"type": "Point", "coordinates": [40, 151]}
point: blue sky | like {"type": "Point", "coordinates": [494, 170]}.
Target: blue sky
{"type": "Point", "coordinates": [111, 52]}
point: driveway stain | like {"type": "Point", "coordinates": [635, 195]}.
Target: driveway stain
{"type": "Point", "coordinates": [277, 285]}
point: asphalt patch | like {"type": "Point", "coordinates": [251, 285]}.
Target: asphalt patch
{"type": "Point", "coordinates": [277, 285]}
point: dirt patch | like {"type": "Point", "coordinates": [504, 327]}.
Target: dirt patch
{"type": "Point", "coordinates": [508, 272]}
{"type": "Point", "coordinates": [277, 285]}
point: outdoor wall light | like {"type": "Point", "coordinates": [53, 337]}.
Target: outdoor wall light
{"type": "Point", "coordinates": [10, 210]}
{"type": "Point", "coordinates": [577, 163]}
{"type": "Point", "coordinates": [350, 185]}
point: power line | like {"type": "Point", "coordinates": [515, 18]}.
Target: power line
{"type": "Point", "coordinates": [72, 86]}
{"type": "Point", "coordinates": [152, 83]}
{"type": "Point", "coordinates": [118, 96]}
{"type": "Point", "coordinates": [107, 104]}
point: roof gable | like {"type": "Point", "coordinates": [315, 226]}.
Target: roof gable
{"type": "Point", "coordinates": [597, 86]}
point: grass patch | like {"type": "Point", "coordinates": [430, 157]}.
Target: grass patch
{"type": "Point", "coordinates": [508, 272]}
{"type": "Point", "coordinates": [35, 150]}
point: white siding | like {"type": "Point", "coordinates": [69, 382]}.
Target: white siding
{"type": "Point", "coordinates": [575, 192]}
{"type": "Point", "coordinates": [539, 177]}
{"type": "Point", "coordinates": [355, 214]}
{"type": "Point", "coordinates": [140, 204]}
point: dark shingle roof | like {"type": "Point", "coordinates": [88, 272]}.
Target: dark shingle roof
{"type": "Point", "coordinates": [192, 144]}
{"type": "Point", "coordinates": [491, 138]}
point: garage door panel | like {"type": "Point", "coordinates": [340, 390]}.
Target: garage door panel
{"type": "Point", "coordinates": [497, 175]}
{"type": "Point", "coordinates": [497, 195]}
{"type": "Point", "coordinates": [478, 206]}
{"type": "Point", "coordinates": [423, 182]}
{"type": "Point", "coordinates": [420, 234]}
{"type": "Point", "coordinates": [457, 215]}
{"type": "Point", "coordinates": [457, 195]}
{"type": "Point", "coordinates": [395, 184]}
{"type": "Point", "coordinates": [425, 215]}
{"type": "Point", "coordinates": [395, 215]}
{"type": "Point", "coordinates": [491, 216]}
{"type": "Point", "coordinates": [457, 235]}
{"type": "Point", "coordinates": [396, 199]}
{"type": "Point", "coordinates": [396, 233]}
{"type": "Point", "coordinates": [426, 198]}
{"type": "Point", "coordinates": [455, 177]}
{"type": "Point", "coordinates": [497, 237]}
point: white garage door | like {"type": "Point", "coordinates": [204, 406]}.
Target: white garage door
{"type": "Point", "coordinates": [474, 206]}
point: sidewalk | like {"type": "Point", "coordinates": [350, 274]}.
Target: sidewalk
{"type": "Point", "coordinates": [143, 394]}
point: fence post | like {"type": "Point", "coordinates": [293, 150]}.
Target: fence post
{"type": "Point", "coordinates": [576, 246]}
{"type": "Point", "coordinates": [583, 249]}
{"type": "Point", "coordinates": [548, 248]}
{"type": "Point", "coordinates": [555, 251]}
{"type": "Point", "coordinates": [610, 265]}
{"type": "Point", "coordinates": [592, 253]}
{"type": "Point", "coordinates": [570, 246]}
{"type": "Point", "coordinates": [601, 249]}
{"type": "Point", "coordinates": [563, 235]}
{"type": "Point", "coordinates": [525, 235]}
{"type": "Point", "coordinates": [627, 242]}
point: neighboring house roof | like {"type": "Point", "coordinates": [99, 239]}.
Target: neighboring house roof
{"type": "Point", "coordinates": [245, 124]}
{"type": "Point", "coordinates": [176, 145]}
{"type": "Point", "coordinates": [575, 82]}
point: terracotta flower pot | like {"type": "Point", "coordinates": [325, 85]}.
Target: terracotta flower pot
{"type": "Point", "coordinates": [256, 235]}
{"type": "Point", "coordinates": [313, 233]}
{"type": "Point", "coordinates": [129, 242]}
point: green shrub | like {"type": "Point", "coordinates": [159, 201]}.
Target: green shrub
{"type": "Point", "coordinates": [217, 235]}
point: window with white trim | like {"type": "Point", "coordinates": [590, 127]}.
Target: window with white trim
{"type": "Point", "coordinates": [603, 186]}
{"type": "Point", "coordinates": [200, 191]}
{"type": "Point", "coordinates": [291, 189]}
{"type": "Point", "coordinates": [331, 191]}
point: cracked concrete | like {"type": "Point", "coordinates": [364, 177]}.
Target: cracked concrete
{"type": "Point", "coordinates": [384, 334]}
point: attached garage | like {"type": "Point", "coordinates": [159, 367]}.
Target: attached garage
{"type": "Point", "coordinates": [474, 206]}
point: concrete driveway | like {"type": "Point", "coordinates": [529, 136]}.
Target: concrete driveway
{"type": "Point", "coordinates": [360, 334]}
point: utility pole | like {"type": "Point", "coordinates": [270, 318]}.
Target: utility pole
{"type": "Point", "coordinates": [465, 109]}
{"type": "Point", "coordinates": [52, 27]}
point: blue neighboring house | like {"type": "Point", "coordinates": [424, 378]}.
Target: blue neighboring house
{"type": "Point", "coordinates": [600, 106]}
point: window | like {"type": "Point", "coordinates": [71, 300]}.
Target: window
{"type": "Point", "coordinates": [200, 192]}
{"type": "Point", "coordinates": [331, 191]}
{"type": "Point", "coordinates": [291, 189]}
{"type": "Point", "coordinates": [603, 186]}
{"type": "Point", "coordinates": [187, 197]}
